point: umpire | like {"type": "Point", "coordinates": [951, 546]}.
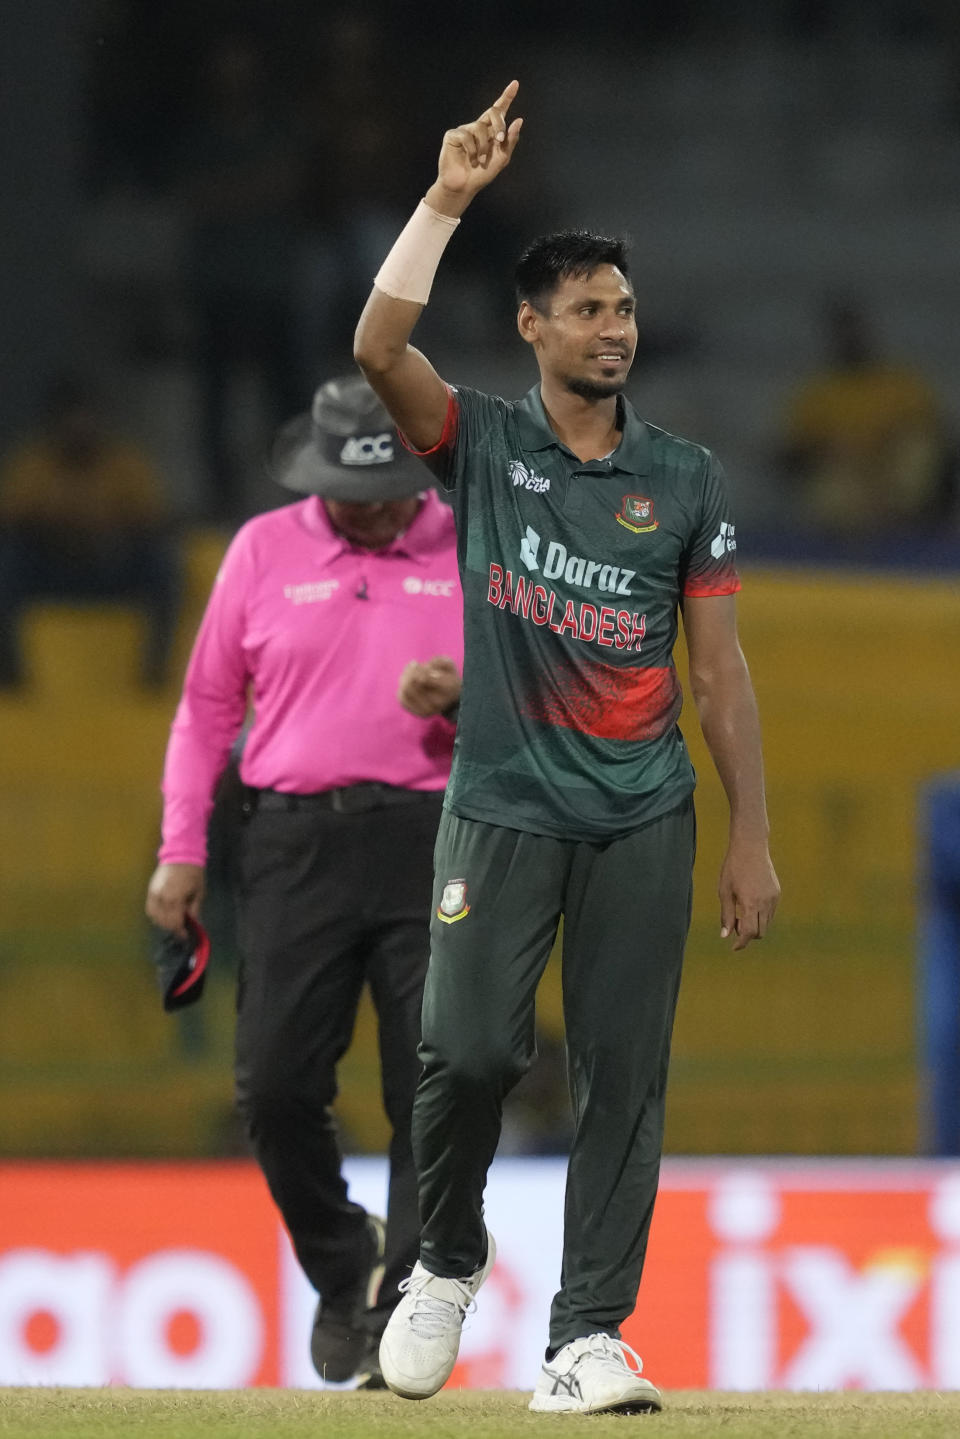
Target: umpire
{"type": "Point", "coordinates": [338, 618]}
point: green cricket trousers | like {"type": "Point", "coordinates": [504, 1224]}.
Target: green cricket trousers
{"type": "Point", "coordinates": [498, 898]}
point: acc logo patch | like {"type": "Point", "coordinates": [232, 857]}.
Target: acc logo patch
{"type": "Point", "coordinates": [453, 901]}
{"type": "Point", "coordinates": [367, 449]}
{"type": "Point", "coordinates": [636, 513]}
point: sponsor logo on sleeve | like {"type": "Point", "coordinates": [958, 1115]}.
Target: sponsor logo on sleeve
{"type": "Point", "coordinates": [725, 542]}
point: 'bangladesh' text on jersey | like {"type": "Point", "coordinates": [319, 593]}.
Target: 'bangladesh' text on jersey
{"type": "Point", "coordinates": [572, 576]}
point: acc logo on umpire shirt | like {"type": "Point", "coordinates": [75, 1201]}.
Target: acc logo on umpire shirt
{"type": "Point", "coordinates": [453, 901]}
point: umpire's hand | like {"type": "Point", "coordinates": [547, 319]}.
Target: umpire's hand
{"type": "Point", "coordinates": [429, 689]}
{"type": "Point", "coordinates": [174, 891]}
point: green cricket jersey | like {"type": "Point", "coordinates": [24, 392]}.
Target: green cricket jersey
{"type": "Point", "coordinates": [572, 576]}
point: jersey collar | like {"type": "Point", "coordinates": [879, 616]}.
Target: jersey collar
{"type": "Point", "coordinates": [632, 455]}
{"type": "Point", "coordinates": [427, 532]}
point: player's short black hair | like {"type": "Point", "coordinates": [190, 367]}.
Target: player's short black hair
{"type": "Point", "coordinates": [553, 258]}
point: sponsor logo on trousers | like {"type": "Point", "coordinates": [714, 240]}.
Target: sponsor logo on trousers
{"type": "Point", "coordinates": [603, 625]}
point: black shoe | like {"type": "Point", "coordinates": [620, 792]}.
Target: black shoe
{"type": "Point", "coordinates": [340, 1346]}
{"type": "Point", "coordinates": [369, 1375]}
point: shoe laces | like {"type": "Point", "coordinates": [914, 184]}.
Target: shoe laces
{"type": "Point", "coordinates": [433, 1316]}
{"type": "Point", "coordinates": [613, 1353]}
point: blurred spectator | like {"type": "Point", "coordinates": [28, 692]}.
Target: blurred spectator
{"type": "Point", "coordinates": [238, 181]}
{"type": "Point", "coordinates": [866, 439]}
{"type": "Point", "coordinates": [83, 517]}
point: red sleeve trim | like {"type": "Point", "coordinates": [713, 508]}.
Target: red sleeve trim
{"type": "Point", "coordinates": [448, 434]}
{"type": "Point", "coordinates": [707, 589]}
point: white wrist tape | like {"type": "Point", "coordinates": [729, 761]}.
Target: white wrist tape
{"type": "Point", "coordinates": [407, 272]}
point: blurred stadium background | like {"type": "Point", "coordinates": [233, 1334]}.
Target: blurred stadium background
{"type": "Point", "coordinates": [764, 156]}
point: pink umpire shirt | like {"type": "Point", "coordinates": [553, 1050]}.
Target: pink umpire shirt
{"type": "Point", "coordinates": [318, 632]}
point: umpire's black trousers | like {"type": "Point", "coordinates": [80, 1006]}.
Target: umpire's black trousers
{"type": "Point", "coordinates": [329, 901]}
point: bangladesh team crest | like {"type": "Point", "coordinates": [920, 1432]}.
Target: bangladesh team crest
{"type": "Point", "coordinates": [453, 901]}
{"type": "Point", "coordinates": [636, 513]}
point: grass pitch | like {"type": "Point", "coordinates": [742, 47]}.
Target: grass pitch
{"type": "Point", "coordinates": [289, 1414]}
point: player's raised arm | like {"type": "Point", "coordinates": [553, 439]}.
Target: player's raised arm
{"type": "Point", "coordinates": [470, 158]}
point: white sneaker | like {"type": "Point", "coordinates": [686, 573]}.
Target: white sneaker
{"type": "Point", "coordinates": [594, 1376]}
{"type": "Point", "coordinates": [422, 1339]}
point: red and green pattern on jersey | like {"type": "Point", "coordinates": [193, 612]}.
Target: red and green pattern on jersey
{"type": "Point", "coordinates": [573, 574]}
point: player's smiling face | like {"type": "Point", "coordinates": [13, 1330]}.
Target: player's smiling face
{"type": "Point", "coordinates": [585, 335]}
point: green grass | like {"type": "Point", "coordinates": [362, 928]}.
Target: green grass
{"type": "Point", "coordinates": [286, 1414]}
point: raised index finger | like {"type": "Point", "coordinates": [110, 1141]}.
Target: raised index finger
{"type": "Point", "coordinates": [507, 98]}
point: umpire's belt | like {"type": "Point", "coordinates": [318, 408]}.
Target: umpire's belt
{"type": "Point", "coordinates": [351, 799]}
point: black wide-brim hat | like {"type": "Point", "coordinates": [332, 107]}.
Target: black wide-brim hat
{"type": "Point", "coordinates": [346, 447]}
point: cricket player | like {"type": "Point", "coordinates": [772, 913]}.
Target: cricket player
{"type": "Point", "coordinates": [582, 532]}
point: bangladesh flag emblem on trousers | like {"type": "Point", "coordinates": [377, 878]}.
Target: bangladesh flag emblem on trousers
{"type": "Point", "coordinates": [453, 901]}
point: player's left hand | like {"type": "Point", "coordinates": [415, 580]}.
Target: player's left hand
{"type": "Point", "coordinates": [429, 689]}
{"type": "Point", "coordinates": [749, 891]}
